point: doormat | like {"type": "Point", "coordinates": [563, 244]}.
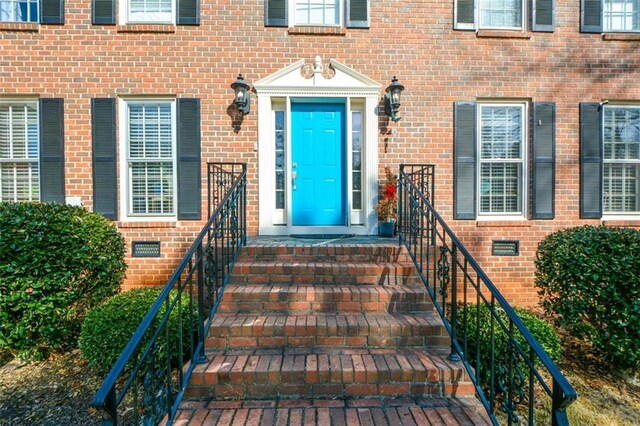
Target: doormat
{"type": "Point", "coordinates": [322, 236]}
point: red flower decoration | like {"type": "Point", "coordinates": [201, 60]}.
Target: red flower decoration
{"type": "Point", "coordinates": [390, 192]}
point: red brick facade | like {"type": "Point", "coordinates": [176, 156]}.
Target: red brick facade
{"type": "Point", "coordinates": [414, 40]}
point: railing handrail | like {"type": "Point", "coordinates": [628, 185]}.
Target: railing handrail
{"type": "Point", "coordinates": [116, 371]}
{"type": "Point", "coordinates": [569, 393]}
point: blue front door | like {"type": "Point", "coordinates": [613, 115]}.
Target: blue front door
{"type": "Point", "coordinates": [318, 164]}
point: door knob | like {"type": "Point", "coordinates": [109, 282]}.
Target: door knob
{"type": "Point", "coordinates": [294, 165]}
{"type": "Point", "coordinates": [294, 176]}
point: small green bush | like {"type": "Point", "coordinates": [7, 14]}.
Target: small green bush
{"type": "Point", "coordinates": [109, 327]}
{"type": "Point", "coordinates": [56, 262]}
{"type": "Point", "coordinates": [589, 279]}
{"type": "Point", "coordinates": [479, 319]}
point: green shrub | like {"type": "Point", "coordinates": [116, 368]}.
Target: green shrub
{"type": "Point", "coordinates": [589, 279]}
{"type": "Point", "coordinates": [56, 262]}
{"type": "Point", "coordinates": [109, 327]}
{"type": "Point", "coordinates": [478, 322]}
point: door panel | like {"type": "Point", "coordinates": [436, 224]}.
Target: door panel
{"type": "Point", "coordinates": [317, 159]}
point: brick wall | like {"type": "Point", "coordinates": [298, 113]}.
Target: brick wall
{"type": "Point", "coordinates": [412, 39]}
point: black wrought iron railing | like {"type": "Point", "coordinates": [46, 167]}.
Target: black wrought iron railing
{"type": "Point", "coordinates": [514, 378]}
{"type": "Point", "coordinates": [148, 381]}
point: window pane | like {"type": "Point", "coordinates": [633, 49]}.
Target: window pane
{"type": "Point", "coordinates": [152, 188]}
{"type": "Point", "coordinates": [19, 182]}
{"type": "Point", "coordinates": [19, 10]}
{"type": "Point", "coordinates": [317, 12]}
{"type": "Point", "coordinates": [150, 10]}
{"type": "Point", "coordinates": [356, 159]}
{"type": "Point", "coordinates": [500, 188]}
{"type": "Point", "coordinates": [622, 15]}
{"type": "Point", "coordinates": [150, 133]}
{"type": "Point", "coordinates": [501, 132]}
{"type": "Point", "coordinates": [501, 13]}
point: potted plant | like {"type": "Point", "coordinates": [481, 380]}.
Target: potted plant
{"type": "Point", "coordinates": [387, 208]}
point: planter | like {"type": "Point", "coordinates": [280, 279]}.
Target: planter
{"type": "Point", "coordinates": [387, 229]}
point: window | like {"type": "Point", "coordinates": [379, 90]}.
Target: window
{"type": "Point", "coordinates": [317, 12]}
{"type": "Point", "coordinates": [356, 159]}
{"type": "Point", "coordinates": [621, 168]}
{"type": "Point", "coordinates": [622, 15]}
{"type": "Point", "coordinates": [503, 14]}
{"type": "Point", "coordinates": [348, 13]}
{"type": "Point", "coordinates": [18, 10]}
{"type": "Point", "coordinates": [279, 137]}
{"type": "Point", "coordinates": [151, 158]}
{"type": "Point", "coordinates": [157, 11]}
{"type": "Point", "coordinates": [502, 158]}
{"type": "Point", "coordinates": [19, 152]}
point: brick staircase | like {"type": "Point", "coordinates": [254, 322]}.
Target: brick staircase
{"type": "Point", "coordinates": [327, 334]}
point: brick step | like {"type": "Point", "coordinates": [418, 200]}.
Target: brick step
{"type": "Point", "coordinates": [258, 272]}
{"type": "Point", "coordinates": [370, 330]}
{"type": "Point", "coordinates": [356, 412]}
{"type": "Point", "coordinates": [327, 372]}
{"type": "Point", "coordinates": [382, 252]}
{"type": "Point", "coordinates": [309, 298]}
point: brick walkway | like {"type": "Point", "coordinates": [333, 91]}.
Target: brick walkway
{"type": "Point", "coordinates": [391, 412]}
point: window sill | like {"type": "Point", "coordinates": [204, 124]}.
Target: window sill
{"type": "Point", "coordinates": [311, 30]}
{"type": "Point", "coordinates": [513, 223]}
{"type": "Point", "coordinates": [150, 224]}
{"type": "Point", "coordinates": [146, 28]}
{"type": "Point", "coordinates": [621, 36]}
{"type": "Point", "coordinates": [633, 223]}
{"type": "Point", "coordinates": [20, 26]}
{"type": "Point", "coordinates": [503, 34]}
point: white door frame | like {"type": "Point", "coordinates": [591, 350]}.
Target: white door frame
{"type": "Point", "coordinates": [276, 92]}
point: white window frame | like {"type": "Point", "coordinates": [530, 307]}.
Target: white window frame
{"type": "Point", "coordinates": [523, 160]}
{"type": "Point", "coordinates": [279, 215]}
{"type": "Point", "coordinates": [8, 7]}
{"type": "Point", "coordinates": [11, 160]}
{"type": "Point", "coordinates": [605, 161]}
{"type": "Point", "coordinates": [340, 6]}
{"type": "Point", "coordinates": [125, 15]}
{"type": "Point", "coordinates": [523, 16]}
{"type": "Point", "coordinates": [125, 176]}
{"type": "Point", "coordinates": [605, 19]}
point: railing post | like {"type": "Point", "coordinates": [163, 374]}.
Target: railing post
{"type": "Point", "coordinates": [111, 408]}
{"type": "Point", "coordinates": [558, 415]}
{"type": "Point", "coordinates": [200, 358]}
{"type": "Point", "coordinates": [453, 355]}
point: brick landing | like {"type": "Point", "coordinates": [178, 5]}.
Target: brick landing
{"type": "Point", "coordinates": [391, 412]}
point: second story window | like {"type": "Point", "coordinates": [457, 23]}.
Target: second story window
{"type": "Point", "coordinates": [289, 13]}
{"type": "Point", "coordinates": [317, 12]}
{"type": "Point", "coordinates": [19, 11]}
{"type": "Point", "coordinates": [502, 14]}
{"type": "Point", "coordinates": [510, 15]}
{"type": "Point", "coordinates": [157, 11]}
{"type": "Point", "coordinates": [622, 15]}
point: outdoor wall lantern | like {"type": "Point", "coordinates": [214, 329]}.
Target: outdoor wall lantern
{"type": "Point", "coordinates": [392, 99]}
{"type": "Point", "coordinates": [242, 95]}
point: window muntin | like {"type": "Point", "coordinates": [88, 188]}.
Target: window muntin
{"type": "Point", "coordinates": [502, 163]}
{"type": "Point", "coordinates": [157, 11]}
{"type": "Point", "coordinates": [621, 15]}
{"type": "Point", "coordinates": [356, 159]}
{"type": "Point", "coordinates": [501, 14]}
{"type": "Point", "coordinates": [151, 158]}
{"type": "Point", "coordinates": [279, 155]}
{"type": "Point", "coordinates": [19, 10]}
{"type": "Point", "coordinates": [621, 139]}
{"type": "Point", "coordinates": [19, 152]}
{"type": "Point", "coordinates": [317, 12]}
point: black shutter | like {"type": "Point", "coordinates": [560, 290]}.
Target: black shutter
{"type": "Point", "coordinates": [188, 12]}
{"type": "Point", "coordinates": [189, 159]}
{"type": "Point", "coordinates": [52, 150]}
{"type": "Point", "coordinates": [103, 136]}
{"type": "Point", "coordinates": [543, 15]}
{"type": "Point", "coordinates": [465, 15]}
{"type": "Point", "coordinates": [357, 13]}
{"type": "Point", "coordinates": [52, 11]}
{"type": "Point", "coordinates": [104, 12]}
{"type": "Point", "coordinates": [591, 16]}
{"type": "Point", "coordinates": [464, 184]}
{"type": "Point", "coordinates": [275, 13]}
{"type": "Point", "coordinates": [590, 161]}
{"type": "Point", "coordinates": [544, 159]}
